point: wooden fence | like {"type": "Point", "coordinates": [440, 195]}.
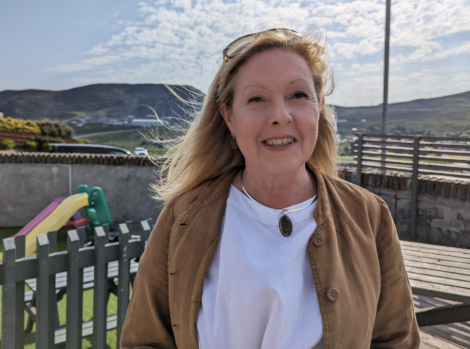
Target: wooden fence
{"type": "Point", "coordinates": [43, 270]}
{"type": "Point", "coordinates": [437, 156]}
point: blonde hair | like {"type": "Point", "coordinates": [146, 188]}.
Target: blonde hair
{"type": "Point", "coordinates": [205, 151]}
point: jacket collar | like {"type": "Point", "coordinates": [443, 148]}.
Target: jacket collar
{"type": "Point", "coordinates": [218, 188]}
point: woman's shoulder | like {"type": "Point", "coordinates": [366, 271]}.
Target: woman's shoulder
{"type": "Point", "coordinates": [203, 194]}
{"type": "Point", "coordinates": [352, 199]}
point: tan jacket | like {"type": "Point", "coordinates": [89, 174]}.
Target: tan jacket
{"type": "Point", "coordinates": [357, 266]}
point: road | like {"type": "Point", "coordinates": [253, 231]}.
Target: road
{"type": "Point", "coordinates": [103, 133]}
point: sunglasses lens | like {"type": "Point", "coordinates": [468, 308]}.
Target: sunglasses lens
{"type": "Point", "coordinates": [235, 47]}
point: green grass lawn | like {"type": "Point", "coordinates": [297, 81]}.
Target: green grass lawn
{"type": "Point", "coordinates": [87, 298]}
{"type": "Point", "coordinates": [344, 158]}
{"type": "Point", "coordinates": [87, 315]}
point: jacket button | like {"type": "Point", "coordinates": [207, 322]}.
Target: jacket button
{"type": "Point", "coordinates": [332, 294]}
{"type": "Point", "coordinates": [318, 240]}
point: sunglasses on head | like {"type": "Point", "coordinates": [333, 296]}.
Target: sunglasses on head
{"type": "Point", "coordinates": [237, 45]}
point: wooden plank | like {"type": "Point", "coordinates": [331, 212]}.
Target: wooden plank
{"type": "Point", "coordinates": [123, 280]}
{"type": "Point", "coordinates": [87, 329]}
{"type": "Point", "coordinates": [20, 296]}
{"type": "Point", "coordinates": [437, 332]}
{"type": "Point", "coordinates": [52, 306]}
{"type": "Point", "coordinates": [465, 286]}
{"type": "Point", "coordinates": [81, 235]}
{"type": "Point", "coordinates": [429, 341]}
{"type": "Point", "coordinates": [434, 261]}
{"type": "Point", "coordinates": [436, 273]}
{"type": "Point", "coordinates": [437, 252]}
{"type": "Point", "coordinates": [74, 315]}
{"type": "Point", "coordinates": [42, 293]}
{"type": "Point", "coordinates": [426, 285]}
{"type": "Point", "coordinates": [438, 258]}
{"type": "Point", "coordinates": [9, 295]}
{"type": "Point", "coordinates": [100, 290]}
{"type": "Point", "coordinates": [431, 246]}
{"type": "Point", "coordinates": [437, 267]}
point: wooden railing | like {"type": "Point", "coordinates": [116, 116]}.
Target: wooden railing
{"type": "Point", "coordinates": [16, 271]}
{"type": "Point", "coordinates": [437, 156]}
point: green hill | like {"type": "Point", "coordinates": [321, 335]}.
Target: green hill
{"type": "Point", "coordinates": [98, 103]}
{"type": "Point", "coordinates": [442, 115]}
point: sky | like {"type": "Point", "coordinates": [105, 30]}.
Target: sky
{"type": "Point", "coordinates": [55, 45]}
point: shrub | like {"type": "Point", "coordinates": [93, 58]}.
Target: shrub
{"type": "Point", "coordinates": [7, 144]}
{"type": "Point", "coordinates": [344, 149]}
{"type": "Point", "coordinates": [19, 126]}
{"type": "Point", "coordinates": [30, 146]}
{"type": "Point", "coordinates": [83, 141]}
{"type": "Point", "coordinates": [55, 129]}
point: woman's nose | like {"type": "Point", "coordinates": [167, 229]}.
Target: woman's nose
{"type": "Point", "coordinates": [280, 113]}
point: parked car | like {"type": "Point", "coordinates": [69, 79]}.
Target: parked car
{"type": "Point", "coordinates": [87, 149]}
{"type": "Point", "coordinates": [140, 151]}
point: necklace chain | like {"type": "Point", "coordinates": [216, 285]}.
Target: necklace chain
{"type": "Point", "coordinates": [284, 211]}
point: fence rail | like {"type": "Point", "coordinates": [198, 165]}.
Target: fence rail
{"type": "Point", "coordinates": [16, 270]}
{"type": "Point", "coordinates": [417, 155]}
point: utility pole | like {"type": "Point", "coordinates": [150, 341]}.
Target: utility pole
{"type": "Point", "coordinates": [386, 64]}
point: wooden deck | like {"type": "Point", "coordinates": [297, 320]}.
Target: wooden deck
{"type": "Point", "coordinates": [440, 278]}
{"type": "Point", "coordinates": [449, 336]}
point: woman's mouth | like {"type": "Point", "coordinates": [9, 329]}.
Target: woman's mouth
{"type": "Point", "coordinates": [279, 142]}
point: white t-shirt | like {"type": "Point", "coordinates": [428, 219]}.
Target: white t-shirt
{"type": "Point", "coordinates": [259, 291]}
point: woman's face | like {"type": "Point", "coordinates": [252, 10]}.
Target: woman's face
{"type": "Point", "coordinates": [275, 112]}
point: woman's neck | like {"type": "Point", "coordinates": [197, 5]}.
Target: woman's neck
{"type": "Point", "coordinates": [278, 191]}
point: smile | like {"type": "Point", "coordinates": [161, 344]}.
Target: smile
{"type": "Point", "coordinates": [279, 142]}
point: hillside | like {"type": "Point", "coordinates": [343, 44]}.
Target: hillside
{"type": "Point", "coordinates": [105, 102]}
{"type": "Point", "coordinates": [448, 114]}
{"type": "Point", "coordinates": [97, 103]}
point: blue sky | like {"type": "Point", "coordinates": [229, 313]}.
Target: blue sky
{"type": "Point", "coordinates": [58, 45]}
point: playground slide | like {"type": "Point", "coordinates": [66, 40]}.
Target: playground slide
{"type": "Point", "coordinates": [40, 217]}
{"type": "Point", "coordinates": [57, 219]}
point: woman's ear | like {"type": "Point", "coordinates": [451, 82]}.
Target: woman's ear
{"type": "Point", "coordinates": [228, 117]}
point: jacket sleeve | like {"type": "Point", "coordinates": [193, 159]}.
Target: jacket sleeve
{"type": "Point", "coordinates": [395, 324]}
{"type": "Point", "coordinates": [148, 323]}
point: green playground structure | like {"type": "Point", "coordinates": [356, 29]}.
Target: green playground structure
{"type": "Point", "coordinates": [97, 209]}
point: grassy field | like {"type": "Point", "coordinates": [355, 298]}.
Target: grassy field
{"type": "Point", "coordinates": [131, 138]}
{"type": "Point", "coordinates": [87, 299]}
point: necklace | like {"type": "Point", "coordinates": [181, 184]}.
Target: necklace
{"type": "Point", "coordinates": [285, 224]}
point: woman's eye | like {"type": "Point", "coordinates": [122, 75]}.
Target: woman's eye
{"type": "Point", "coordinates": [300, 95]}
{"type": "Point", "coordinates": [255, 99]}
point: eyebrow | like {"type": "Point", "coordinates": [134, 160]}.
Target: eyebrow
{"type": "Point", "coordinates": [265, 88]}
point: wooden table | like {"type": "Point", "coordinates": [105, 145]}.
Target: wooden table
{"type": "Point", "coordinates": [443, 272]}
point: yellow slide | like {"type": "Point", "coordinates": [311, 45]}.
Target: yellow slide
{"type": "Point", "coordinates": [56, 220]}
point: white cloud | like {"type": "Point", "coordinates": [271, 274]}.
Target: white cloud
{"type": "Point", "coordinates": [180, 41]}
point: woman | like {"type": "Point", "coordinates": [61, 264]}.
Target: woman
{"type": "Point", "coordinates": [259, 244]}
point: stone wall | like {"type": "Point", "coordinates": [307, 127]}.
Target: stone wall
{"type": "Point", "coordinates": [443, 206]}
{"type": "Point", "coordinates": [30, 182]}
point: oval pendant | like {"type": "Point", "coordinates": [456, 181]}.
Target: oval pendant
{"type": "Point", "coordinates": [285, 225]}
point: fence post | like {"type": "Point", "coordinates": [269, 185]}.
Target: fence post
{"type": "Point", "coordinates": [123, 280]}
{"type": "Point", "coordinates": [145, 234]}
{"type": "Point", "coordinates": [42, 291]}
{"type": "Point", "coordinates": [19, 328]}
{"type": "Point", "coordinates": [81, 231]}
{"type": "Point", "coordinates": [9, 294]}
{"type": "Point", "coordinates": [100, 292]}
{"type": "Point", "coordinates": [53, 311]}
{"type": "Point", "coordinates": [414, 189]}
{"type": "Point", "coordinates": [74, 294]}
{"type": "Point", "coordinates": [360, 138]}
